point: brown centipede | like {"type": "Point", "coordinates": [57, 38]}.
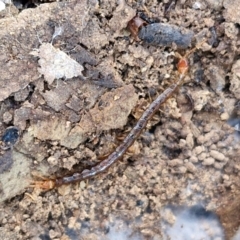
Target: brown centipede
{"type": "Point", "coordinates": [48, 184]}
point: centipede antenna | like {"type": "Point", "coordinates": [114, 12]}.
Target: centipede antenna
{"type": "Point", "coordinates": [194, 49]}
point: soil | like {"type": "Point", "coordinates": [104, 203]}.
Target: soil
{"type": "Point", "coordinates": [74, 82]}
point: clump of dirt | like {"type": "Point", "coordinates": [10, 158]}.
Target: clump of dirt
{"type": "Point", "coordinates": [74, 82]}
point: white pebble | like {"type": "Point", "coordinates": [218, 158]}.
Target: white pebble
{"type": "Point", "coordinates": [224, 116]}
{"type": "Point", "coordinates": [217, 155]}
{"type": "Point", "coordinates": [2, 6]}
{"type": "Point", "coordinates": [198, 149]}
{"type": "Point", "coordinates": [208, 161]}
{"type": "Point", "coordinates": [197, 5]}
{"type": "Point", "coordinates": [190, 167]}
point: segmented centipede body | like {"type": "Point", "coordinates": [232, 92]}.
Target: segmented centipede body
{"type": "Point", "coordinates": [128, 141]}
{"type": "Point", "coordinates": [122, 148]}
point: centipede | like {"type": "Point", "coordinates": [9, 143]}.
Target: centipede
{"type": "Point", "coordinates": [102, 166]}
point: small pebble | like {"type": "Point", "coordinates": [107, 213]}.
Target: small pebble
{"type": "Point", "coordinates": [224, 116]}
{"type": "Point", "coordinates": [226, 177]}
{"type": "Point", "coordinates": [193, 159]}
{"type": "Point", "coordinates": [2, 6]}
{"type": "Point", "coordinates": [208, 161]}
{"type": "Point", "coordinates": [10, 136]}
{"type": "Point", "coordinates": [7, 117]}
{"type": "Point", "coordinates": [52, 160]}
{"type": "Point", "coordinates": [175, 162]}
{"type": "Point", "coordinates": [64, 190]}
{"type": "Point", "coordinates": [190, 167]}
{"type": "Point", "coordinates": [169, 217]}
{"type": "Point", "coordinates": [219, 165]}
{"type": "Point", "coordinates": [82, 185]}
{"type": "Point", "coordinates": [197, 5]}
{"type": "Point", "coordinates": [217, 155]}
{"type": "Point", "coordinates": [53, 234]}
{"type": "Point", "coordinates": [199, 149]}
{"type": "Point", "coordinates": [190, 140]}
{"type": "Point", "coordinates": [202, 156]}
{"type": "Point", "coordinates": [182, 169]}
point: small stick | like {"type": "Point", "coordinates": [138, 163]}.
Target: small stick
{"type": "Point", "coordinates": [127, 142]}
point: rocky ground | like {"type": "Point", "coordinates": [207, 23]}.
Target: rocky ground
{"type": "Point", "coordinates": [73, 83]}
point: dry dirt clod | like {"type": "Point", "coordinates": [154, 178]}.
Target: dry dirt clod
{"type": "Point", "coordinates": [55, 64]}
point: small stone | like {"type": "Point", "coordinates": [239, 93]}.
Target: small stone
{"type": "Point", "coordinates": [175, 162]}
{"type": "Point", "coordinates": [187, 153]}
{"type": "Point", "coordinates": [2, 6]}
{"type": "Point", "coordinates": [190, 167]}
{"type": "Point", "coordinates": [169, 217]}
{"type": "Point", "coordinates": [193, 159]}
{"type": "Point", "coordinates": [21, 95]}
{"type": "Point", "coordinates": [7, 117]}
{"type": "Point", "coordinates": [200, 99]}
{"type": "Point", "coordinates": [82, 184]}
{"type": "Point", "coordinates": [209, 22]}
{"type": "Point", "coordinates": [231, 30]}
{"type": "Point", "coordinates": [216, 76]}
{"type": "Point", "coordinates": [69, 162]}
{"type": "Point", "coordinates": [226, 177]}
{"type": "Point", "coordinates": [201, 139]}
{"type": "Point", "coordinates": [182, 169]}
{"type": "Point", "coordinates": [197, 5]}
{"type": "Point", "coordinates": [235, 83]}
{"type": "Point", "coordinates": [213, 4]}
{"type": "Point", "coordinates": [72, 222]}
{"type": "Point", "coordinates": [64, 190]}
{"type": "Point", "coordinates": [149, 60]}
{"type": "Point", "coordinates": [53, 234]}
{"type": "Point", "coordinates": [164, 172]}
{"type": "Point", "coordinates": [199, 149]}
{"type": "Point", "coordinates": [75, 103]}
{"type": "Point", "coordinates": [10, 136]}
{"type": "Point", "coordinates": [232, 10]}
{"type": "Point", "coordinates": [224, 116]}
{"type": "Point", "coordinates": [182, 143]}
{"type": "Point", "coordinates": [219, 165]}
{"type": "Point", "coordinates": [190, 141]}
{"type": "Point", "coordinates": [52, 160]}
{"type": "Point", "coordinates": [7, 1]}
{"type": "Point", "coordinates": [202, 156]}
{"type": "Point", "coordinates": [217, 155]}
{"type": "Point", "coordinates": [208, 161]}
{"type": "Point", "coordinates": [227, 183]}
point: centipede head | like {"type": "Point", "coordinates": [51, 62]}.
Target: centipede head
{"type": "Point", "coordinates": [44, 185]}
{"type": "Point", "coordinates": [183, 65]}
